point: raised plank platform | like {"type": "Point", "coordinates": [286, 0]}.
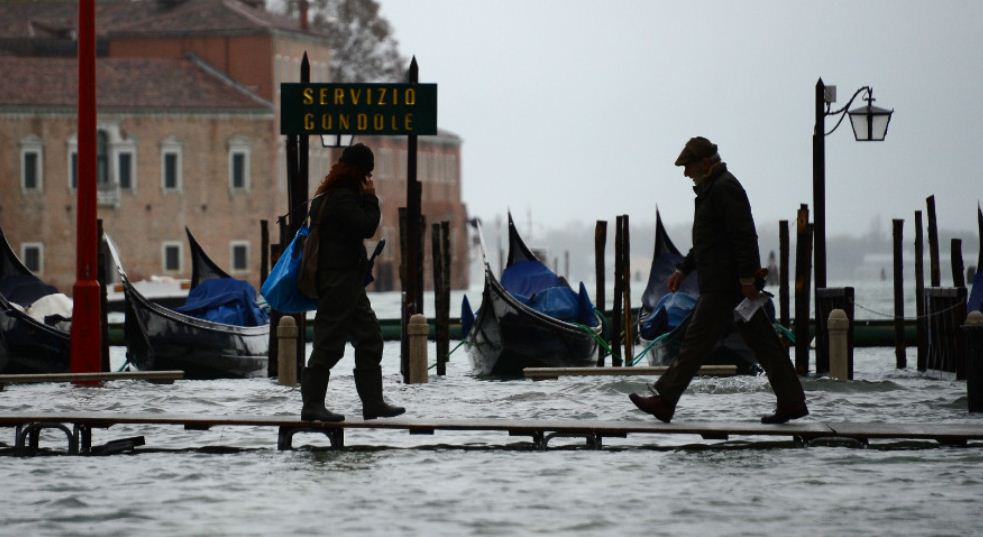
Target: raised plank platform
{"type": "Point", "coordinates": [78, 428]}
{"type": "Point", "coordinates": [552, 373]}
{"type": "Point", "coordinates": [163, 377]}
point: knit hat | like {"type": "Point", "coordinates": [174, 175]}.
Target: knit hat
{"type": "Point", "coordinates": [360, 156]}
{"type": "Point", "coordinates": [696, 148]}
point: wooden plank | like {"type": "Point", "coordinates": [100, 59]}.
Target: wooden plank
{"type": "Point", "coordinates": [103, 376]}
{"type": "Point", "coordinates": [539, 373]}
{"type": "Point", "coordinates": [918, 431]}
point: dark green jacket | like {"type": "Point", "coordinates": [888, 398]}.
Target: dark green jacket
{"type": "Point", "coordinates": [725, 243]}
{"type": "Point", "coordinates": [351, 217]}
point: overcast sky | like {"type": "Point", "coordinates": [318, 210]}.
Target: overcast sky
{"type": "Point", "coordinates": [576, 109]}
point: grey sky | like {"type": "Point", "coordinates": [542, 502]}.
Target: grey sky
{"type": "Point", "coordinates": [576, 109]}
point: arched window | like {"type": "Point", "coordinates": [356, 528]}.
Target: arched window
{"type": "Point", "coordinates": [102, 158]}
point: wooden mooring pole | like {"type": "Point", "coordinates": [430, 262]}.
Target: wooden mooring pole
{"type": "Point", "coordinates": [600, 242]}
{"type": "Point", "coordinates": [958, 269]}
{"type": "Point", "coordinates": [920, 327]}
{"type": "Point", "coordinates": [803, 269]}
{"type": "Point", "coordinates": [900, 352]}
{"type": "Point", "coordinates": [783, 258]}
{"type": "Point", "coordinates": [616, 316]}
{"type": "Point", "coordinates": [933, 243]}
{"type": "Point", "coordinates": [440, 239]}
{"type": "Point", "coordinates": [973, 331]}
{"type": "Point", "coordinates": [626, 289]}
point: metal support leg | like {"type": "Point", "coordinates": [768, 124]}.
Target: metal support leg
{"type": "Point", "coordinates": [336, 436]}
{"type": "Point", "coordinates": [30, 434]}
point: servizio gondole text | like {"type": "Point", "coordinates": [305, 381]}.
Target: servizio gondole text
{"type": "Point", "coordinates": [359, 108]}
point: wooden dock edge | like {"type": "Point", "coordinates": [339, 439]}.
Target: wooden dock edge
{"type": "Point", "coordinates": [553, 373]}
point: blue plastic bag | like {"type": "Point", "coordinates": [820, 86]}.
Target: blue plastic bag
{"type": "Point", "coordinates": [280, 287]}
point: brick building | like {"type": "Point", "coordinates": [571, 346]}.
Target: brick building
{"type": "Point", "coordinates": [188, 135]}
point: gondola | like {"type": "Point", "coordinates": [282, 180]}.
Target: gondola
{"type": "Point", "coordinates": [161, 338]}
{"type": "Point", "coordinates": [975, 302]}
{"type": "Point", "coordinates": [27, 345]}
{"type": "Point", "coordinates": [663, 316]}
{"type": "Point", "coordinates": [509, 333]}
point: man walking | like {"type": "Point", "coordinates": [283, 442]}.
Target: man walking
{"type": "Point", "coordinates": [726, 260]}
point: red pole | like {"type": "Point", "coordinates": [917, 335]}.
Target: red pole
{"type": "Point", "coordinates": [86, 333]}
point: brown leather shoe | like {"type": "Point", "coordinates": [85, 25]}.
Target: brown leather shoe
{"type": "Point", "coordinates": [783, 414]}
{"type": "Point", "coordinates": [654, 405]}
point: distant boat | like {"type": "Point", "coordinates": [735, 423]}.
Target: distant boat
{"type": "Point", "coordinates": [663, 316]}
{"type": "Point", "coordinates": [531, 318]}
{"type": "Point", "coordinates": [27, 345]}
{"type": "Point", "coordinates": [162, 338]}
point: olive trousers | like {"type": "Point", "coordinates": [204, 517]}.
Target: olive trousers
{"type": "Point", "coordinates": [344, 314]}
{"type": "Point", "coordinates": [712, 317]}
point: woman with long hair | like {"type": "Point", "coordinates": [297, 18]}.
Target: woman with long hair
{"type": "Point", "coordinates": [350, 215]}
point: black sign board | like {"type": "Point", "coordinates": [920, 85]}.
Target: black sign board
{"type": "Point", "coordinates": [360, 109]}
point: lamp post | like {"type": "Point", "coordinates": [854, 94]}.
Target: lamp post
{"type": "Point", "coordinates": [869, 125]}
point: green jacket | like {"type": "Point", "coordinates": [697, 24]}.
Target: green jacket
{"type": "Point", "coordinates": [351, 217]}
{"type": "Point", "coordinates": [725, 243]}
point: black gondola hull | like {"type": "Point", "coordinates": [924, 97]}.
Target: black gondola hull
{"type": "Point", "coordinates": [28, 346]}
{"type": "Point", "coordinates": [161, 339]}
{"type": "Point", "coordinates": [508, 337]}
{"type": "Point", "coordinates": [730, 350]}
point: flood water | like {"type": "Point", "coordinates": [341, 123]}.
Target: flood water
{"type": "Point", "coordinates": [233, 481]}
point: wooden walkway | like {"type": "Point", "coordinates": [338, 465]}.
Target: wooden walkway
{"type": "Point", "coordinates": [78, 429]}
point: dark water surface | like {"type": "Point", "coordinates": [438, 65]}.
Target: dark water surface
{"type": "Point", "coordinates": [233, 481]}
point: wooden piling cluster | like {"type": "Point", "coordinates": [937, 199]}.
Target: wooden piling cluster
{"type": "Point", "coordinates": [441, 255]}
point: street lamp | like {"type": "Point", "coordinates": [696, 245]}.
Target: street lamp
{"type": "Point", "coordinates": [869, 124]}
{"type": "Point", "coordinates": [337, 140]}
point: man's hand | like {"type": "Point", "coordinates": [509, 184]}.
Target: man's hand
{"type": "Point", "coordinates": [675, 280]}
{"type": "Point", "coordinates": [368, 187]}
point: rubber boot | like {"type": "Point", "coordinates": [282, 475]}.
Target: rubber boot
{"type": "Point", "coordinates": [313, 388]}
{"type": "Point", "coordinates": [368, 383]}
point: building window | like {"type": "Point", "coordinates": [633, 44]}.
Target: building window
{"type": "Point", "coordinates": [30, 169]}
{"type": "Point", "coordinates": [238, 164]}
{"type": "Point", "coordinates": [32, 253]}
{"type": "Point", "coordinates": [240, 256]}
{"type": "Point", "coordinates": [170, 165]}
{"type": "Point", "coordinates": [73, 169]}
{"type": "Point", "coordinates": [125, 169]}
{"type": "Point", "coordinates": [172, 257]}
{"type": "Point", "coordinates": [102, 158]}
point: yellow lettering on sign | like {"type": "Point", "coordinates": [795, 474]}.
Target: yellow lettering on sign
{"type": "Point", "coordinates": [410, 98]}
{"type": "Point", "coordinates": [362, 121]}
{"type": "Point", "coordinates": [339, 96]}
{"type": "Point", "coordinates": [308, 122]}
{"type": "Point", "coordinates": [378, 122]}
{"type": "Point", "coordinates": [380, 96]}
{"type": "Point", "coordinates": [408, 121]}
{"type": "Point", "coordinates": [326, 121]}
{"type": "Point", "coordinates": [323, 96]}
{"type": "Point", "coordinates": [308, 94]}
{"type": "Point", "coordinates": [355, 94]}
{"type": "Point", "coordinates": [344, 122]}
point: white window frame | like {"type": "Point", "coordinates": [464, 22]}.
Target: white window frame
{"type": "Point", "coordinates": [232, 256]}
{"type": "Point", "coordinates": [23, 255]}
{"type": "Point", "coordinates": [32, 144]}
{"type": "Point", "coordinates": [171, 147]}
{"type": "Point", "coordinates": [180, 256]}
{"type": "Point", "coordinates": [129, 149]}
{"type": "Point", "coordinates": [239, 147]}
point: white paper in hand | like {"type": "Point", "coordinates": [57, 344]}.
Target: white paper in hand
{"type": "Point", "coordinates": [748, 307]}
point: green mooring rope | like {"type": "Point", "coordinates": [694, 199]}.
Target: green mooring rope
{"type": "Point", "coordinates": [449, 353]}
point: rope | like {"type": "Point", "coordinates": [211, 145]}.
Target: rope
{"type": "Point", "coordinates": [449, 353]}
{"type": "Point", "coordinates": [125, 365]}
{"type": "Point", "coordinates": [600, 341]}
{"type": "Point", "coordinates": [916, 318]}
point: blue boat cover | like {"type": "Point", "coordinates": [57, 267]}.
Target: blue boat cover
{"type": "Point", "coordinates": [467, 317]}
{"type": "Point", "coordinates": [975, 302]}
{"type": "Point", "coordinates": [24, 290]}
{"type": "Point", "coordinates": [225, 300]}
{"type": "Point", "coordinates": [670, 311]}
{"type": "Point", "coordinates": [536, 286]}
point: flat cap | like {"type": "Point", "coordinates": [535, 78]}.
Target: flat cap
{"type": "Point", "coordinates": [696, 148]}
